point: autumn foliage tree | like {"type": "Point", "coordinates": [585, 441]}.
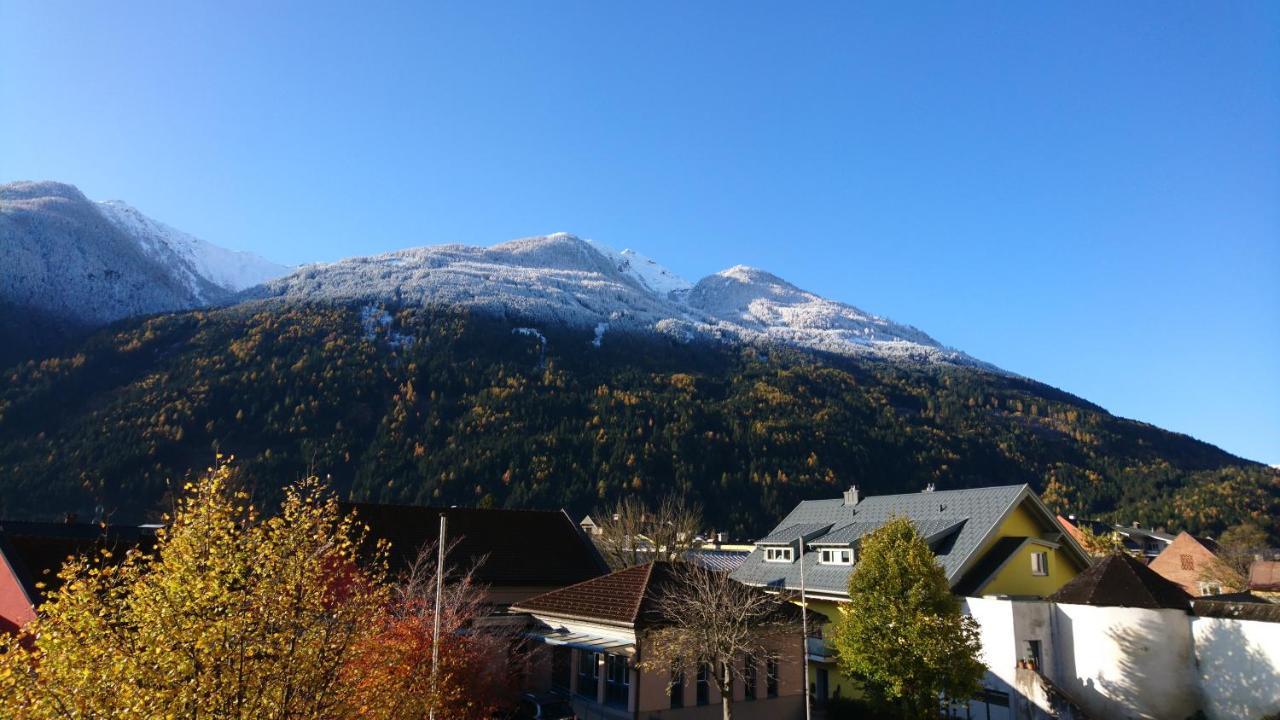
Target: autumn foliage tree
{"type": "Point", "coordinates": [479, 659]}
{"type": "Point", "coordinates": [239, 615]}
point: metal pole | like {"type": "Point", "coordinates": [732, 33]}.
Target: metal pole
{"type": "Point", "coordinates": [804, 624]}
{"type": "Point", "coordinates": [435, 632]}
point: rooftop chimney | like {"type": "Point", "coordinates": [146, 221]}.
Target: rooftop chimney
{"type": "Point", "coordinates": [851, 496]}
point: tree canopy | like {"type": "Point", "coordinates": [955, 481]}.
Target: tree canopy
{"type": "Point", "coordinates": [902, 634]}
{"type": "Point", "coordinates": [237, 615]}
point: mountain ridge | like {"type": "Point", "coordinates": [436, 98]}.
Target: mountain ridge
{"type": "Point", "coordinates": [555, 278]}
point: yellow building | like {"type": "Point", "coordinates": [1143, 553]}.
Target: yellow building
{"type": "Point", "coordinates": [995, 541]}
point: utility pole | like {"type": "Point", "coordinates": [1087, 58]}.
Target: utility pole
{"type": "Point", "coordinates": [435, 632]}
{"type": "Point", "coordinates": [804, 624]}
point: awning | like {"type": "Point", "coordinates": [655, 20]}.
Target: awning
{"type": "Point", "coordinates": [584, 641]}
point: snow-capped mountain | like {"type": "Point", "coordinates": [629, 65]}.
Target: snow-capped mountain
{"type": "Point", "coordinates": [194, 260]}
{"type": "Point", "coordinates": [562, 279]}
{"type": "Point", "coordinates": [92, 263]}
{"type": "Point", "coordinates": [64, 256]}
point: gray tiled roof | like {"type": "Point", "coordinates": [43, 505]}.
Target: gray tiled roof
{"type": "Point", "coordinates": [786, 534]}
{"type": "Point", "coordinates": [976, 511]}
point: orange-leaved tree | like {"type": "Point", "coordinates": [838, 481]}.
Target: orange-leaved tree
{"type": "Point", "coordinates": [480, 658]}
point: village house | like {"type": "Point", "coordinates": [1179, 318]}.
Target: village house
{"type": "Point", "coordinates": [594, 634]}
{"type": "Point", "coordinates": [994, 541]}
{"type": "Point", "coordinates": [514, 554]}
{"type": "Point", "coordinates": [1121, 641]}
{"type": "Point", "coordinates": [1192, 563]}
{"type": "Point", "coordinates": [1146, 544]}
{"type": "Point", "coordinates": [32, 553]}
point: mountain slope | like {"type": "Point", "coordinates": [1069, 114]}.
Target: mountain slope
{"type": "Point", "coordinates": [65, 257]}
{"type": "Point", "coordinates": [195, 261]}
{"type": "Point", "coordinates": [59, 254]}
{"type": "Point", "coordinates": [413, 404]}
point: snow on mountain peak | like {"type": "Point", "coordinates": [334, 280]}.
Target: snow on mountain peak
{"type": "Point", "coordinates": [562, 279]}
{"type": "Point", "coordinates": [647, 272]}
{"type": "Point", "coordinates": [190, 257]}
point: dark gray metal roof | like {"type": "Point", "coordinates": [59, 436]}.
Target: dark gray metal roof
{"type": "Point", "coordinates": [974, 514]}
{"type": "Point", "coordinates": [787, 534]}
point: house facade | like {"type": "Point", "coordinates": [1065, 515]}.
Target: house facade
{"type": "Point", "coordinates": [1191, 563]}
{"type": "Point", "coordinates": [594, 635]}
{"type": "Point", "coordinates": [995, 541]}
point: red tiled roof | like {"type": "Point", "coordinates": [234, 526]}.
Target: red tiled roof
{"type": "Point", "coordinates": [1264, 575]}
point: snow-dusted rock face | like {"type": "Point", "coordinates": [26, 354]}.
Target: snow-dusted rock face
{"type": "Point", "coordinates": [560, 279]}
{"type": "Point", "coordinates": [195, 261]}
{"type": "Point", "coordinates": [93, 263]}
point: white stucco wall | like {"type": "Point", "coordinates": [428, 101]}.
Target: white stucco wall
{"type": "Point", "coordinates": [1127, 663]}
{"type": "Point", "coordinates": [1239, 667]}
{"type": "Point", "coordinates": [1005, 626]}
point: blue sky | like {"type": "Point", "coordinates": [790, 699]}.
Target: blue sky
{"type": "Point", "coordinates": [1085, 193]}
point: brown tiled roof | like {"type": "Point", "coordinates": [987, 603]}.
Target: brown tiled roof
{"type": "Point", "coordinates": [626, 597]}
{"type": "Point", "coordinates": [1122, 581]}
{"type": "Point", "coordinates": [519, 548]}
{"type": "Point", "coordinates": [615, 598]}
{"type": "Point", "coordinates": [1264, 575]}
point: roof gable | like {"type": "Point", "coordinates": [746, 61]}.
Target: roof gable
{"type": "Point", "coordinates": [1122, 581]}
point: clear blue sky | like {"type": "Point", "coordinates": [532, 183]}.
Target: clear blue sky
{"type": "Point", "coordinates": [1085, 193]}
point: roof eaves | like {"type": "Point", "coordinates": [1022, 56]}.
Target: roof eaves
{"type": "Point", "coordinates": [971, 559]}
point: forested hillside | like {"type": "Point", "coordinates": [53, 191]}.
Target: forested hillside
{"type": "Point", "coordinates": [437, 406]}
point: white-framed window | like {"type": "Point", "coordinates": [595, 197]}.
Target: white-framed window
{"type": "Point", "coordinates": [1210, 589]}
{"type": "Point", "coordinates": [778, 554]}
{"type": "Point", "coordinates": [835, 556]}
{"type": "Point", "coordinates": [1039, 563]}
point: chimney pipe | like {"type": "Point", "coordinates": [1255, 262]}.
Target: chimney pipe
{"type": "Point", "coordinates": [851, 496]}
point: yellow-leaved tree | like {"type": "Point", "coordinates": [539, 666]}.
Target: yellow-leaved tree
{"type": "Point", "coordinates": [234, 615]}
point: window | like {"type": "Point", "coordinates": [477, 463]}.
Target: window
{"type": "Point", "coordinates": [1033, 654]}
{"type": "Point", "coordinates": [777, 554]}
{"type": "Point", "coordinates": [1039, 563]}
{"type": "Point", "coordinates": [1210, 589]}
{"type": "Point", "coordinates": [677, 688]}
{"type": "Point", "coordinates": [771, 676]}
{"type": "Point", "coordinates": [704, 684]}
{"type": "Point", "coordinates": [835, 556]}
{"type": "Point", "coordinates": [750, 681]}
{"type": "Point", "coordinates": [617, 680]}
{"type": "Point", "coordinates": [587, 673]}
{"type": "Point", "coordinates": [1188, 562]}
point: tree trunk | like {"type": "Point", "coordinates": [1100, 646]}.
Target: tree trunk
{"type": "Point", "coordinates": [726, 690]}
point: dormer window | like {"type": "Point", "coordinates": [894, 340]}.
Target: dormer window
{"type": "Point", "coordinates": [835, 556]}
{"type": "Point", "coordinates": [778, 554]}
